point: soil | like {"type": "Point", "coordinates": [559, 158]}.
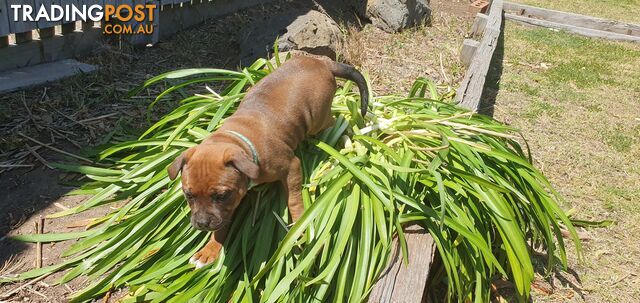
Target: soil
{"type": "Point", "coordinates": [31, 196]}
{"type": "Point", "coordinates": [57, 114]}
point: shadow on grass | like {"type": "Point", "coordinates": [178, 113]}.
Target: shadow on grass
{"type": "Point", "coordinates": [492, 83]}
{"type": "Point", "coordinates": [568, 278]}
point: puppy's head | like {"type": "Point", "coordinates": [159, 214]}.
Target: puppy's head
{"type": "Point", "coordinates": [215, 178]}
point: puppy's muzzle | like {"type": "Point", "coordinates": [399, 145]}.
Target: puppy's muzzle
{"type": "Point", "coordinates": [206, 222]}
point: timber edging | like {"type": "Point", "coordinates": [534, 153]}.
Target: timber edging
{"type": "Point", "coordinates": [477, 54]}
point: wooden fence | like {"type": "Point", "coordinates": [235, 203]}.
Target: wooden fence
{"type": "Point", "coordinates": [572, 22]}
{"type": "Point", "coordinates": [29, 43]}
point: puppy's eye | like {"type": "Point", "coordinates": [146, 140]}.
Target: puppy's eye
{"type": "Point", "coordinates": [221, 196]}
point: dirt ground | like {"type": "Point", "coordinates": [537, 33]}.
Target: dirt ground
{"type": "Point", "coordinates": [78, 114]}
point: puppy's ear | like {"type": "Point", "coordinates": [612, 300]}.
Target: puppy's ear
{"type": "Point", "coordinates": [178, 163]}
{"type": "Point", "coordinates": [241, 161]}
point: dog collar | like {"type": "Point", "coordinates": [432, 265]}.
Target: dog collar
{"type": "Point", "coordinates": [254, 152]}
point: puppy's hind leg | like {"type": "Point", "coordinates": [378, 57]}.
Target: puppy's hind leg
{"type": "Point", "coordinates": [322, 124]}
{"type": "Point", "coordinates": [293, 186]}
{"type": "Point", "coordinates": [328, 122]}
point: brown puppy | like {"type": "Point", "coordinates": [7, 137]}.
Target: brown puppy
{"type": "Point", "coordinates": [256, 144]}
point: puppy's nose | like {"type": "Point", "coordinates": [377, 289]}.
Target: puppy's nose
{"type": "Point", "coordinates": [204, 222]}
{"type": "Point", "coordinates": [200, 223]}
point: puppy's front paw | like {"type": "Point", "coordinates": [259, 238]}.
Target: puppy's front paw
{"type": "Point", "coordinates": [204, 257]}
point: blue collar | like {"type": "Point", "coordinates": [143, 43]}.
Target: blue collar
{"type": "Point", "coordinates": [254, 153]}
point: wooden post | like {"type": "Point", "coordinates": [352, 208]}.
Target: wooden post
{"type": "Point", "coordinates": [469, 48]}
{"type": "Point", "coordinates": [478, 25]}
{"type": "Point", "coordinates": [47, 32]}
{"type": "Point", "coordinates": [87, 25]}
{"type": "Point", "coordinates": [68, 28]}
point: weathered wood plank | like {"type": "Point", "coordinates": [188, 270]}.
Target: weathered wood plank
{"type": "Point", "coordinates": [91, 2]}
{"type": "Point", "coordinates": [573, 19]}
{"type": "Point", "coordinates": [19, 26]}
{"type": "Point", "coordinates": [573, 29]}
{"type": "Point", "coordinates": [469, 93]}
{"type": "Point", "coordinates": [155, 37]}
{"type": "Point", "coordinates": [40, 74]}
{"type": "Point", "coordinates": [4, 18]}
{"type": "Point", "coordinates": [72, 19]}
{"type": "Point", "coordinates": [479, 25]}
{"type": "Point", "coordinates": [174, 19]}
{"type": "Point", "coordinates": [406, 282]}
{"type": "Point", "coordinates": [469, 47]}
{"type": "Point", "coordinates": [42, 24]}
{"type": "Point", "coordinates": [143, 39]}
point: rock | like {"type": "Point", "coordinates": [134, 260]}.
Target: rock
{"type": "Point", "coordinates": [282, 56]}
{"type": "Point", "coordinates": [395, 15]}
{"type": "Point", "coordinates": [314, 33]}
{"type": "Point", "coordinates": [309, 31]}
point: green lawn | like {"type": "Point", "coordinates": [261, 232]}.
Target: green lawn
{"type": "Point", "coordinates": [577, 101]}
{"type": "Point", "coordinates": [621, 10]}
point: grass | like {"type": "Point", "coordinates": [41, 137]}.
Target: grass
{"type": "Point", "coordinates": [539, 108]}
{"type": "Point", "coordinates": [580, 115]}
{"type": "Point", "coordinates": [619, 139]}
{"type": "Point", "coordinates": [417, 160]}
{"type": "Point", "coordinates": [620, 10]}
{"type": "Point", "coordinates": [412, 53]}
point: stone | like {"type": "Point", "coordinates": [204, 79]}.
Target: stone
{"type": "Point", "coordinates": [40, 74]}
{"type": "Point", "coordinates": [282, 56]}
{"type": "Point", "coordinates": [396, 15]}
{"type": "Point", "coordinates": [314, 33]}
{"type": "Point", "coordinates": [311, 31]}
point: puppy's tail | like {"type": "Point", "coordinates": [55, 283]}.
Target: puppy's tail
{"type": "Point", "coordinates": [350, 73]}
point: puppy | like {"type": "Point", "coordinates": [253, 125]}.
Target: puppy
{"type": "Point", "coordinates": [256, 144]}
